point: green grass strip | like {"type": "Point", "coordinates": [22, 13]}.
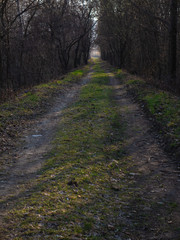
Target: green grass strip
{"type": "Point", "coordinates": [33, 100]}
{"type": "Point", "coordinates": [163, 106]}
{"type": "Point", "coordinates": [74, 198]}
{"type": "Point", "coordinates": [16, 114]}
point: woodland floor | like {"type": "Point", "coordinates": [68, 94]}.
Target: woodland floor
{"type": "Point", "coordinates": [90, 168]}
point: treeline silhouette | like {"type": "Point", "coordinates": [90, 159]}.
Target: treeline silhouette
{"type": "Point", "coordinates": [42, 39]}
{"type": "Point", "coordinates": [143, 37]}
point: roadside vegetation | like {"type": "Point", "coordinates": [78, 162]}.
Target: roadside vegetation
{"type": "Point", "coordinates": [89, 187]}
{"type": "Point", "coordinates": [16, 113]}
{"type": "Point", "coordinates": [162, 107]}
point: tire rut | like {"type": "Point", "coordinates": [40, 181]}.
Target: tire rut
{"type": "Point", "coordinates": [35, 144]}
{"type": "Point", "coordinates": [155, 174]}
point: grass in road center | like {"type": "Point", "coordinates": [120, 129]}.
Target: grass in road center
{"type": "Point", "coordinates": [76, 194]}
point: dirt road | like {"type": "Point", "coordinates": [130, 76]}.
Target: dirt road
{"type": "Point", "coordinates": [35, 143]}
{"type": "Point", "coordinates": [156, 175]}
{"type": "Point", "coordinates": [153, 207]}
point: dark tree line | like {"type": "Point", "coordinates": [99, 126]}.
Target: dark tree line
{"type": "Point", "coordinates": [42, 39]}
{"type": "Point", "coordinates": [143, 37]}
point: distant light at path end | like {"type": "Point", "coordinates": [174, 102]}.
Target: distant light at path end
{"type": "Point", "coordinates": [95, 53]}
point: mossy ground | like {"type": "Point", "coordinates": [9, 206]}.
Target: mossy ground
{"type": "Point", "coordinates": [86, 189]}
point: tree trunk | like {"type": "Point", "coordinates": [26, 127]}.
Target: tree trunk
{"type": "Point", "coordinates": [76, 55]}
{"type": "Point", "coordinates": [173, 41]}
{"type": "Point", "coordinates": [1, 70]}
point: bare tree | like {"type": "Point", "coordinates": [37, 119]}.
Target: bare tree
{"type": "Point", "coordinates": [141, 36]}
{"type": "Point", "coordinates": [41, 39]}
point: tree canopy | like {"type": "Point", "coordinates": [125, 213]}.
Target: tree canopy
{"type": "Point", "coordinates": [42, 39]}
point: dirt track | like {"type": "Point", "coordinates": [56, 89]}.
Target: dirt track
{"type": "Point", "coordinates": [156, 178]}
{"type": "Point", "coordinates": [156, 175]}
{"type": "Point", "coordinates": [35, 143]}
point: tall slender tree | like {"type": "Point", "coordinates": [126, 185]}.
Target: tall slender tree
{"type": "Point", "coordinates": [143, 37]}
{"type": "Point", "coordinates": [173, 40]}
